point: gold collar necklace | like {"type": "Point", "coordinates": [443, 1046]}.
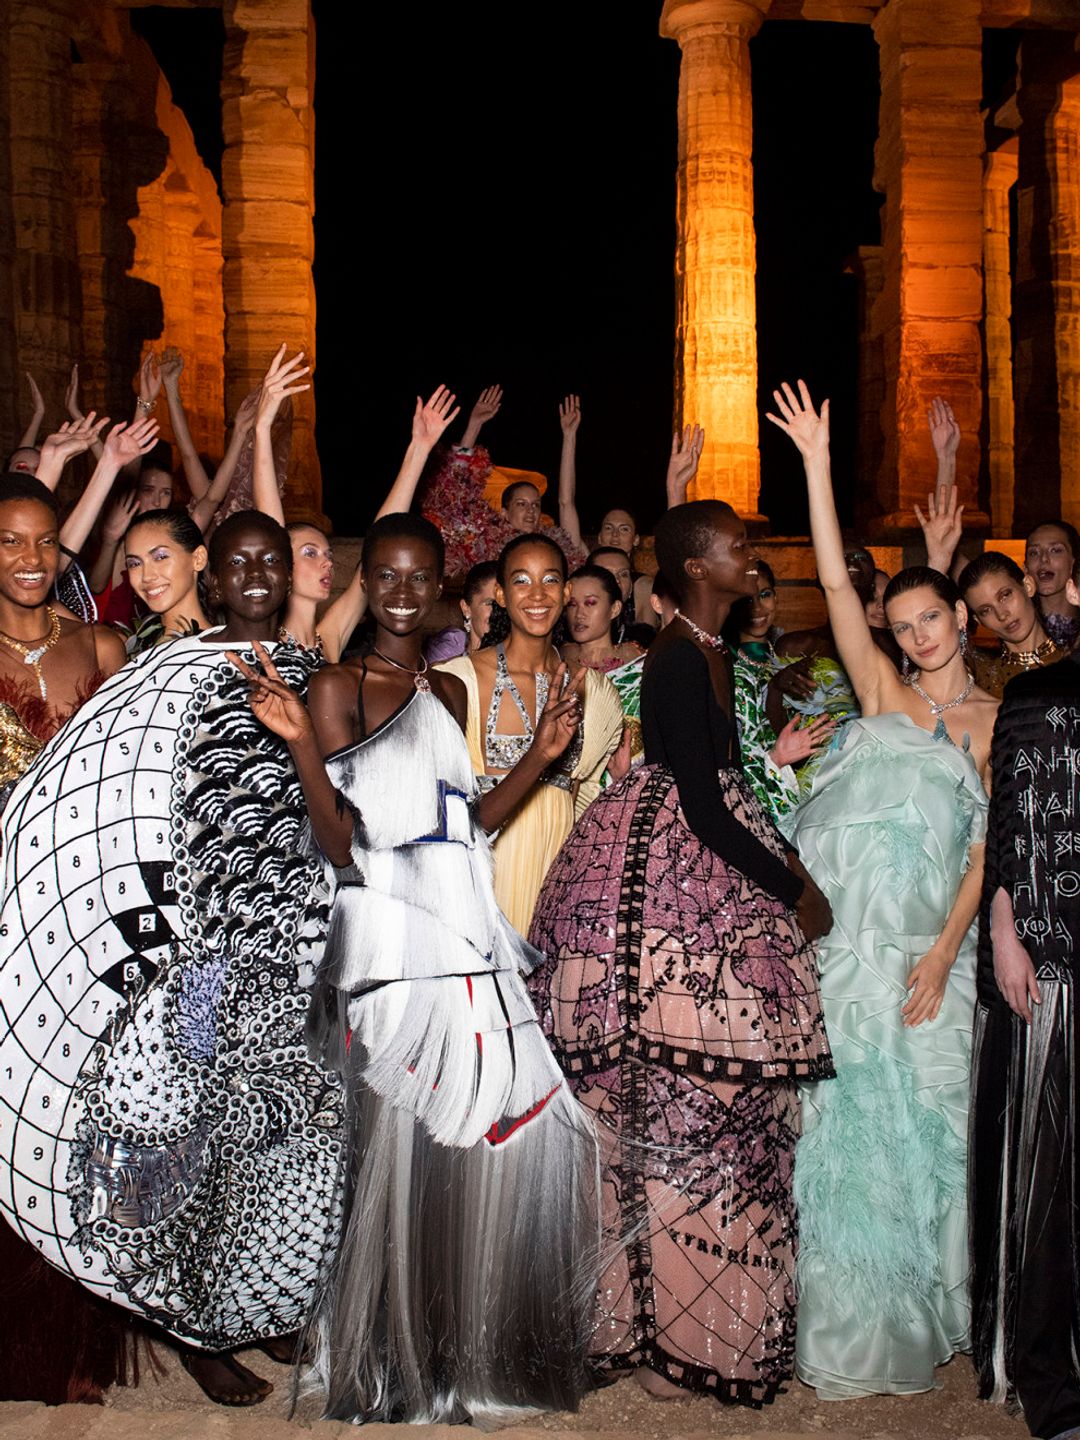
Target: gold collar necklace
{"type": "Point", "coordinates": [1030, 659]}
{"type": "Point", "coordinates": [33, 654]}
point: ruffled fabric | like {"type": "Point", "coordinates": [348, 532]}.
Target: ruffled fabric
{"type": "Point", "coordinates": [879, 1171]}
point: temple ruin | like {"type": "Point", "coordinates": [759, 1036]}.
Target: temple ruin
{"type": "Point", "coordinates": [115, 225]}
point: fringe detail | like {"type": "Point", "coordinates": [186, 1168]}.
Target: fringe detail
{"type": "Point", "coordinates": [460, 1054]}
{"type": "Point", "coordinates": [464, 1284]}
{"type": "Point", "coordinates": [871, 1181]}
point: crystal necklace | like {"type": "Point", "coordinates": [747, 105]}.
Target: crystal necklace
{"type": "Point", "coordinates": [714, 642]}
{"type": "Point", "coordinates": [418, 675]}
{"type": "Point", "coordinates": [940, 733]}
{"type": "Point", "coordinates": [32, 654]}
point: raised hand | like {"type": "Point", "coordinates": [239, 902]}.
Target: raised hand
{"type": "Point", "coordinates": [683, 464]}
{"type": "Point", "coordinates": [273, 703]}
{"type": "Point", "coordinates": [171, 366]}
{"type": "Point", "coordinates": [432, 418]}
{"type": "Point", "coordinates": [126, 443]}
{"type": "Point", "coordinates": [246, 413]}
{"type": "Point", "coordinates": [570, 414]}
{"type": "Point", "coordinates": [797, 742]}
{"type": "Point", "coordinates": [73, 438]}
{"type": "Point", "coordinates": [560, 717]}
{"type": "Point", "coordinates": [281, 380]}
{"type": "Point", "coordinates": [942, 527]}
{"type": "Point", "coordinates": [35, 396]}
{"type": "Point", "coordinates": [148, 380]}
{"type": "Point", "coordinates": [119, 516]}
{"type": "Point", "coordinates": [801, 422]}
{"type": "Point", "coordinates": [944, 431]}
{"type": "Point", "coordinates": [487, 406]}
{"type": "Point", "coordinates": [71, 394]}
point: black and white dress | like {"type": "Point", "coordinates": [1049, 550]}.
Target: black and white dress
{"type": "Point", "coordinates": [164, 1137]}
{"type": "Point", "coordinates": [463, 1285]}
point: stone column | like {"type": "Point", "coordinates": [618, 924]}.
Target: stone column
{"type": "Point", "coordinates": [267, 234]}
{"type": "Point", "coordinates": [9, 358]}
{"type": "Point", "coordinates": [716, 340]}
{"type": "Point", "coordinates": [999, 176]}
{"type": "Point", "coordinates": [1047, 290]}
{"type": "Point", "coordinates": [47, 294]}
{"type": "Point", "coordinates": [928, 164]}
{"type": "Point", "coordinates": [865, 265]}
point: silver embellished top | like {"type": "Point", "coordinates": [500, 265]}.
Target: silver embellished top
{"type": "Point", "coordinates": [502, 752]}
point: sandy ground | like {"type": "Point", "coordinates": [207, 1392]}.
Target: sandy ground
{"type": "Point", "coordinates": [171, 1407]}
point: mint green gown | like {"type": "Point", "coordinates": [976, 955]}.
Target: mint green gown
{"type": "Point", "coordinates": [880, 1169]}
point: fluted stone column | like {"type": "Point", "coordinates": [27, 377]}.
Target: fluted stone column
{"type": "Point", "coordinates": [9, 430]}
{"type": "Point", "coordinates": [1047, 289]}
{"type": "Point", "coordinates": [999, 176]}
{"type": "Point", "coordinates": [928, 164]}
{"type": "Point", "coordinates": [267, 237]}
{"type": "Point", "coordinates": [47, 299]}
{"type": "Point", "coordinates": [716, 340]}
{"type": "Point", "coordinates": [866, 266]}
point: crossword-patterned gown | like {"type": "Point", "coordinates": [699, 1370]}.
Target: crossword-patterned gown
{"type": "Point", "coordinates": [164, 1137]}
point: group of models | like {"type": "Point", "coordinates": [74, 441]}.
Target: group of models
{"type": "Point", "coordinates": [473, 1032]}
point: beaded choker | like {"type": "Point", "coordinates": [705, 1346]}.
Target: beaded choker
{"type": "Point", "coordinates": [714, 642]}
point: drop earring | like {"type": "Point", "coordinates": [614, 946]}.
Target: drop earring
{"type": "Point", "coordinates": [905, 668]}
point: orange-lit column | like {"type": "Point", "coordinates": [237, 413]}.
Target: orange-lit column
{"type": "Point", "coordinates": [1047, 292]}
{"type": "Point", "coordinates": [268, 242]}
{"type": "Point", "coordinates": [47, 289]}
{"type": "Point", "coordinates": [716, 341]}
{"type": "Point", "coordinates": [928, 164]}
{"type": "Point", "coordinates": [999, 176]}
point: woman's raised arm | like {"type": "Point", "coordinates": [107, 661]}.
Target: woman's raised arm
{"type": "Point", "coordinates": [809, 431]}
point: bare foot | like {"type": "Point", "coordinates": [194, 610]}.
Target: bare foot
{"type": "Point", "coordinates": [659, 1387]}
{"type": "Point", "coordinates": [223, 1379]}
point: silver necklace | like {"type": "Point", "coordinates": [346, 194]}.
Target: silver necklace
{"type": "Point", "coordinates": [418, 675]}
{"type": "Point", "coordinates": [936, 709]}
{"type": "Point", "coordinates": [714, 642]}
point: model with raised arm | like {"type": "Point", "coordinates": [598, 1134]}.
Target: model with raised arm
{"type": "Point", "coordinates": [893, 831]}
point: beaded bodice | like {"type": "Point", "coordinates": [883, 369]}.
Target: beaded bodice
{"type": "Point", "coordinates": [502, 751]}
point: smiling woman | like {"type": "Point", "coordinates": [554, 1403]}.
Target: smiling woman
{"type": "Point", "coordinates": [508, 684]}
{"type": "Point", "coordinates": [184, 912]}
{"type": "Point", "coordinates": [165, 557]}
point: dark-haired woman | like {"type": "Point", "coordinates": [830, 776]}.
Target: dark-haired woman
{"type": "Point", "coordinates": [592, 612]}
{"type": "Point", "coordinates": [186, 1146]}
{"type": "Point", "coordinates": [165, 555]}
{"type": "Point", "coordinates": [1002, 598]}
{"type": "Point", "coordinates": [893, 831]}
{"type": "Point", "coordinates": [1052, 550]}
{"type": "Point", "coordinates": [470, 1209]}
{"type": "Point", "coordinates": [680, 997]}
{"type": "Point", "coordinates": [507, 684]}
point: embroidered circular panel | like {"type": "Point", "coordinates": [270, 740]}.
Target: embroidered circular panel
{"type": "Point", "coordinates": [164, 1137]}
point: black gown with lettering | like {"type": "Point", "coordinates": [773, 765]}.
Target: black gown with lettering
{"type": "Point", "coordinates": [1024, 1234]}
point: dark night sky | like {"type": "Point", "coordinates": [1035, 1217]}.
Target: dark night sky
{"type": "Point", "coordinates": [495, 201]}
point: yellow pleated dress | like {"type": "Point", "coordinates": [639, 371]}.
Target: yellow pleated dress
{"type": "Point", "coordinates": [529, 841]}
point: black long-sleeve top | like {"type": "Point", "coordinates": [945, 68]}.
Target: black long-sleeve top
{"type": "Point", "coordinates": [687, 730]}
